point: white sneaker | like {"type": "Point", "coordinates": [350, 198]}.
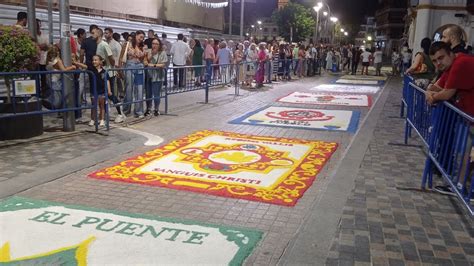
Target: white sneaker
{"type": "Point", "coordinates": [119, 118]}
{"type": "Point", "coordinates": [102, 123]}
{"type": "Point", "coordinates": [91, 123]}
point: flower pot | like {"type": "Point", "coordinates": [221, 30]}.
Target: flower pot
{"type": "Point", "coordinates": [20, 127]}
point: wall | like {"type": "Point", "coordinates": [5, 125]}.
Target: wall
{"type": "Point", "coordinates": [432, 14]}
{"type": "Point", "coordinates": [178, 13]}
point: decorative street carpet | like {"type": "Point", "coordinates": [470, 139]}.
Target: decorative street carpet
{"type": "Point", "coordinates": [340, 88]}
{"type": "Point", "coordinates": [364, 77]}
{"type": "Point", "coordinates": [327, 99]}
{"type": "Point", "coordinates": [358, 81]}
{"type": "Point", "coordinates": [34, 232]}
{"type": "Point", "coordinates": [266, 169]}
{"type": "Point", "coordinates": [303, 118]}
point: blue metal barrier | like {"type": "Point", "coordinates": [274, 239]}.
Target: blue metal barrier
{"type": "Point", "coordinates": [406, 80]}
{"type": "Point", "coordinates": [44, 92]}
{"type": "Point", "coordinates": [450, 145]}
{"type": "Point", "coordinates": [447, 132]}
{"type": "Point", "coordinates": [418, 113]}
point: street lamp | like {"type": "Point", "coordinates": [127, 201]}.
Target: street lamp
{"type": "Point", "coordinates": [259, 22]}
{"type": "Point", "coordinates": [346, 33]}
{"type": "Point", "coordinates": [369, 38]}
{"type": "Point", "coordinates": [333, 19]}
{"type": "Point", "coordinates": [317, 8]}
{"type": "Point", "coordinates": [342, 30]}
{"type": "Point", "coordinates": [325, 13]}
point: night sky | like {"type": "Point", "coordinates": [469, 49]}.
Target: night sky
{"type": "Point", "coordinates": [349, 11]}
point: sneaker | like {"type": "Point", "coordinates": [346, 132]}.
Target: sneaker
{"type": "Point", "coordinates": [156, 113]}
{"type": "Point", "coordinates": [119, 119]}
{"type": "Point", "coordinates": [445, 190]}
{"type": "Point", "coordinates": [102, 123]}
{"type": "Point", "coordinates": [139, 116]}
{"type": "Point", "coordinates": [147, 113]}
{"type": "Point", "coordinates": [91, 123]}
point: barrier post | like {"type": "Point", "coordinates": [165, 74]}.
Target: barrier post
{"type": "Point", "coordinates": [206, 88]}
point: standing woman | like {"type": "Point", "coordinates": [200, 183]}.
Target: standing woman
{"type": "Point", "coordinates": [197, 52]}
{"type": "Point", "coordinates": [422, 69]}
{"type": "Point", "coordinates": [262, 58]}
{"type": "Point", "coordinates": [250, 64]}
{"type": "Point", "coordinates": [157, 60]}
{"type": "Point", "coordinates": [134, 75]}
{"type": "Point", "coordinates": [301, 61]}
{"type": "Point", "coordinates": [281, 61]}
{"type": "Point", "coordinates": [329, 58]}
{"type": "Point", "coordinates": [238, 58]}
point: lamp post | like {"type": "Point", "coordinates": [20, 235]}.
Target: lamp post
{"type": "Point", "coordinates": [333, 20]}
{"type": "Point", "coordinates": [317, 8]}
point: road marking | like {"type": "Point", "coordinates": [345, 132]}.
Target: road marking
{"type": "Point", "coordinates": [153, 140]}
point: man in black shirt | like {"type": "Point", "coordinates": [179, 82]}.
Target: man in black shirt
{"type": "Point", "coordinates": [151, 36]}
{"type": "Point", "coordinates": [89, 47]}
{"type": "Point", "coordinates": [454, 36]}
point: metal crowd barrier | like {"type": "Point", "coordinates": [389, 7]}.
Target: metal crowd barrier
{"type": "Point", "coordinates": [406, 80]}
{"type": "Point", "coordinates": [418, 112]}
{"type": "Point", "coordinates": [447, 133]}
{"type": "Point", "coordinates": [37, 93]}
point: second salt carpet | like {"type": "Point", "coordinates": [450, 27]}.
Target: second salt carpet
{"type": "Point", "coordinates": [304, 118]}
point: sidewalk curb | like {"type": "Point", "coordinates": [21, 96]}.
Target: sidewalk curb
{"type": "Point", "coordinates": [311, 244]}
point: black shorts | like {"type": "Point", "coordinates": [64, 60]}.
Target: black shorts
{"type": "Point", "coordinates": [366, 64]}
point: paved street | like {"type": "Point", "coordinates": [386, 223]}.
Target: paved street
{"type": "Point", "coordinates": [364, 207]}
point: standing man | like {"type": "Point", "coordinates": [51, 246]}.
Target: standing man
{"type": "Point", "coordinates": [166, 44]}
{"type": "Point", "coordinates": [21, 19]}
{"type": "Point", "coordinates": [151, 36]}
{"type": "Point", "coordinates": [453, 35]}
{"type": "Point", "coordinates": [180, 51]}
{"type": "Point", "coordinates": [378, 61]}
{"type": "Point", "coordinates": [89, 47]}
{"type": "Point", "coordinates": [115, 82]}
{"type": "Point", "coordinates": [209, 57]}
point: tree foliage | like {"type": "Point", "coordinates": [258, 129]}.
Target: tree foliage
{"type": "Point", "coordinates": [297, 17]}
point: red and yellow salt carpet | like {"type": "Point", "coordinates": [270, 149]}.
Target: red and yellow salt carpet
{"type": "Point", "coordinates": [266, 169]}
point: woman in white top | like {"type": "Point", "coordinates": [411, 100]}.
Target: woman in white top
{"type": "Point", "coordinates": [251, 61]}
{"type": "Point", "coordinates": [329, 59]}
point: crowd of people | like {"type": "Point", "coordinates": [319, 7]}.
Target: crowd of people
{"type": "Point", "coordinates": [133, 66]}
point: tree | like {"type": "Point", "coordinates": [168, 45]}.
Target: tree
{"type": "Point", "coordinates": [294, 18]}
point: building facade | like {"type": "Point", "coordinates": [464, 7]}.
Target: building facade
{"type": "Point", "coordinates": [164, 12]}
{"type": "Point", "coordinates": [366, 33]}
{"type": "Point", "coordinates": [390, 24]}
{"type": "Point", "coordinates": [427, 17]}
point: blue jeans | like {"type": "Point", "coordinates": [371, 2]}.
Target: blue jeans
{"type": "Point", "coordinates": [209, 69]}
{"type": "Point", "coordinates": [153, 92]}
{"type": "Point", "coordinates": [134, 88]}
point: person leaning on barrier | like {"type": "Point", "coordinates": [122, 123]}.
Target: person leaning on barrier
{"type": "Point", "coordinates": [456, 85]}
{"type": "Point", "coordinates": [422, 69]}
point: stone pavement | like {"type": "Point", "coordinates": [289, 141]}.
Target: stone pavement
{"type": "Point", "coordinates": [371, 216]}
{"type": "Point", "coordinates": [387, 220]}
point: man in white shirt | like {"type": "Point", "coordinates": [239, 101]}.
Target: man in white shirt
{"type": "Point", "coordinates": [180, 51]}
{"type": "Point", "coordinates": [116, 49]}
{"type": "Point", "coordinates": [365, 56]}
{"type": "Point", "coordinates": [378, 61]}
{"type": "Point", "coordinates": [43, 42]}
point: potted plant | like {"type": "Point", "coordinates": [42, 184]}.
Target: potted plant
{"type": "Point", "coordinates": [18, 53]}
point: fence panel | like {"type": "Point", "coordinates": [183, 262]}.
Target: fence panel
{"type": "Point", "coordinates": [37, 93]}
